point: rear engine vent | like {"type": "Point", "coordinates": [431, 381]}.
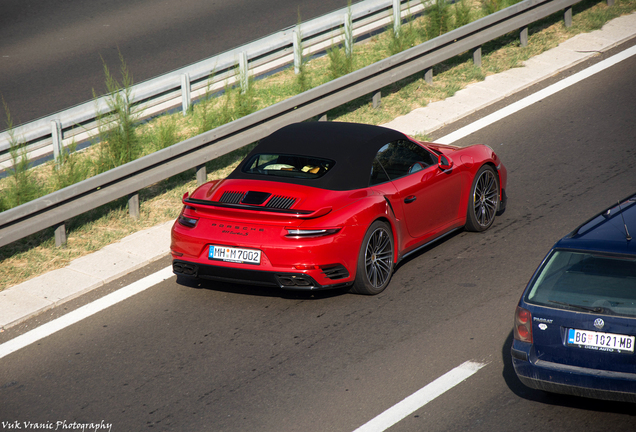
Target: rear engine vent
{"type": "Point", "coordinates": [232, 197]}
{"type": "Point", "coordinates": [336, 272]}
{"type": "Point", "coordinates": [255, 198]}
{"type": "Point", "coordinates": [281, 202]}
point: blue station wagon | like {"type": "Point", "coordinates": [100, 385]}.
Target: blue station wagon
{"type": "Point", "coordinates": [575, 325]}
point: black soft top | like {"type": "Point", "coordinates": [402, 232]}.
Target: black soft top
{"type": "Point", "coordinates": [351, 145]}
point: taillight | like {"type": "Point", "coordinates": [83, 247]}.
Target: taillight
{"type": "Point", "coordinates": [523, 325]}
{"type": "Point", "coordinates": [304, 233]}
{"type": "Point", "coordinates": [186, 221]}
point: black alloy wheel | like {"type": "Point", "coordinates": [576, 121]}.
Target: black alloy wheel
{"type": "Point", "coordinates": [484, 200]}
{"type": "Point", "coordinates": [375, 261]}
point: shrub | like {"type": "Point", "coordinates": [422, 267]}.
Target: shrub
{"type": "Point", "coordinates": [21, 187]}
{"type": "Point", "coordinates": [244, 101]}
{"type": "Point", "coordinates": [339, 63]}
{"type": "Point", "coordinates": [405, 38]}
{"type": "Point", "coordinates": [71, 169]}
{"type": "Point", "coordinates": [203, 112]}
{"type": "Point", "coordinates": [119, 143]}
{"type": "Point", "coordinates": [462, 13]}
{"type": "Point", "coordinates": [491, 6]}
{"type": "Point", "coordinates": [438, 19]}
{"type": "Point", "coordinates": [302, 81]}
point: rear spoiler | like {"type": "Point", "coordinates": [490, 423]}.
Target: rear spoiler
{"type": "Point", "coordinates": [300, 214]}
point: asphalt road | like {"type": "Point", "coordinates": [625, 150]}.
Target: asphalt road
{"type": "Point", "coordinates": [51, 51]}
{"type": "Point", "coordinates": [216, 357]}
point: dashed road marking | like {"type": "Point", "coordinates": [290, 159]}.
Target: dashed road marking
{"type": "Point", "coordinates": [421, 397]}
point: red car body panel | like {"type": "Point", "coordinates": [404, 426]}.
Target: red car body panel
{"type": "Point", "coordinates": [440, 206]}
{"type": "Point", "coordinates": [350, 211]}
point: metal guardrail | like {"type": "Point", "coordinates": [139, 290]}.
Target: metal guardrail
{"type": "Point", "coordinates": [126, 180]}
{"type": "Point", "coordinates": [177, 88]}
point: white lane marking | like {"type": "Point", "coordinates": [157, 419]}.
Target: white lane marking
{"type": "Point", "coordinates": [84, 312]}
{"type": "Point", "coordinates": [536, 97]}
{"type": "Point", "coordinates": [421, 397]}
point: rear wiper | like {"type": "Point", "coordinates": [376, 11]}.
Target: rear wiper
{"type": "Point", "coordinates": [585, 308]}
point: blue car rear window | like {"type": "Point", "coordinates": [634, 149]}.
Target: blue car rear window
{"type": "Point", "coordinates": [586, 281]}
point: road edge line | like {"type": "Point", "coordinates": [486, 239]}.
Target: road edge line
{"type": "Point", "coordinates": [536, 97]}
{"type": "Point", "coordinates": [84, 312]}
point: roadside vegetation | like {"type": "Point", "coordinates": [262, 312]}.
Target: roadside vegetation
{"type": "Point", "coordinates": [122, 137]}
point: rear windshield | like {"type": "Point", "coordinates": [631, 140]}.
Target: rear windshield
{"type": "Point", "coordinates": [284, 165]}
{"type": "Point", "coordinates": [586, 282]}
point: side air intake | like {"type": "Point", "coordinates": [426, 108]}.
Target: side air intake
{"type": "Point", "coordinates": [336, 272]}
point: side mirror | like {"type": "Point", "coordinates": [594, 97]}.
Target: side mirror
{"type": "Point", "coordinates": [444, 162]}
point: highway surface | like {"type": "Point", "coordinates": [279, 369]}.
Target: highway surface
{"type": "Point", "coordinates": [217, 357]}
{"type": "Point", "coordinates": [51, 52]}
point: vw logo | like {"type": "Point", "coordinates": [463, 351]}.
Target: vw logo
{"type": "Point", "coordinates": [599, 323]}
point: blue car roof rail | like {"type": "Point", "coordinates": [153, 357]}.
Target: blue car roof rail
{"type": "Point", "coordinates": [624, 204]}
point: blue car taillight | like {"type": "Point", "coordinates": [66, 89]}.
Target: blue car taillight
{"type": "Point", "coordinates": [523, 325]}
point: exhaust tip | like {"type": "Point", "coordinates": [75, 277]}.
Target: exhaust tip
{"type": "Point", "coordinates": [185, 269]}
{"type": "Point", "coordinates": [296, 281]}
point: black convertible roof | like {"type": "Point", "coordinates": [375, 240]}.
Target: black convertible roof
{"type": "Point", "coordinates": [351, 145]}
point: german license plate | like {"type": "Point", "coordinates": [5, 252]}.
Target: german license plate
{"type": "Point", "coordinates": [601, 341]}
{"type": "Point", "coordinates": [235, 255]}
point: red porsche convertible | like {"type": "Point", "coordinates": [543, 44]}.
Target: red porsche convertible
{"type": "Point", "coordinates": [326, 205]}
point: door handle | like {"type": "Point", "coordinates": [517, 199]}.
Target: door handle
{"type": "Point", "coordinates": [410, 199]}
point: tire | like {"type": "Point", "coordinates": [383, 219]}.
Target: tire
{"type": "Point", "coordinates": [375, 260]}
{"type": "Point", "coordinates": [483, 202]}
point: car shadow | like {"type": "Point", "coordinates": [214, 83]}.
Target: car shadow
{"type": "Point", "coordinates": [424, 250]}
{"type": "Point", "coordinates": [262, 291]}
{"type": "Point", "coordinates": [540, 396]}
